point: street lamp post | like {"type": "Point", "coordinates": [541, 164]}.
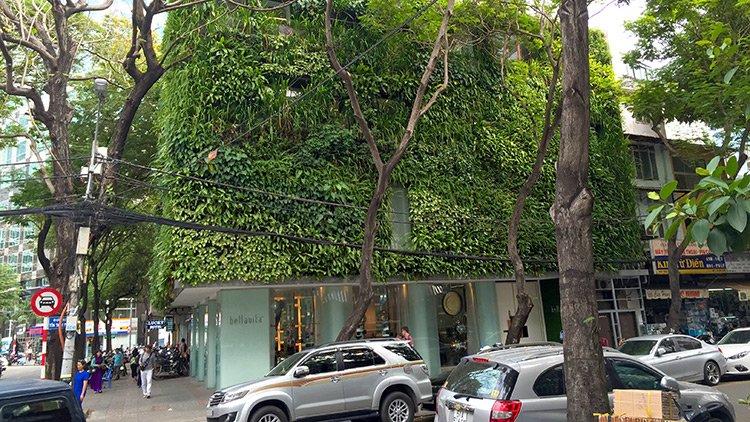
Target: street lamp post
{"type": "Point", "coordinates": [82, 246]}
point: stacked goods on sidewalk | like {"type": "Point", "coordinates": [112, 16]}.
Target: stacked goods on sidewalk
{"type": "Point", "coordinates": [643, 406]}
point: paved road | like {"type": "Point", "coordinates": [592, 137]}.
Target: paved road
{"type": "Point", "coordinates": [736, 389]}
{"type": "Point", "coordinates": [30, 372]}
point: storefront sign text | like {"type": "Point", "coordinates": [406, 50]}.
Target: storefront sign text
{"type": "Point", "coordinates": [652, 294]}
{"type": "Point", "coordinates": [695, 260]}
{"type": "Point", "coordinates": [245, 319]}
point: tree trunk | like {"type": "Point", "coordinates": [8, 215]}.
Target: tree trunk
{"type": "Point", "coordinates": [584, 362]}
{"type": "Point", "coordinates": [365, 292]}
{"type": "Point", "coordinates": [108, 329]}
{"type": "Point", "coordinates": [675, 306]}
{"type": "Point", "coordinates": [95, 314]}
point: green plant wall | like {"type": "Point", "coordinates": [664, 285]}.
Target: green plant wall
{"type": "Point", "coordinates": [468, 159]}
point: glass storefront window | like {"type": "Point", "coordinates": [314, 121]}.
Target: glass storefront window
{"type": "Point", "coordinates": [294, 313]}
{"type": "Point", "coordinates": [452, 330]}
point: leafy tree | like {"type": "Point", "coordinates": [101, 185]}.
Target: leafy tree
{"type": "Point", "coordinates": [704, 79]}
{"type": "Point", "coordinates": [10, 290]}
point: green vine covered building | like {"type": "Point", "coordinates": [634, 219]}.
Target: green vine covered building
{"type": "Point", "coordinates": [249, 301]}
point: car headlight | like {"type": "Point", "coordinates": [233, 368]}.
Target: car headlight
{"type": "Point", "coordinates": [740, 355]}
{"type": "Point", "coordinates": [234, 396]}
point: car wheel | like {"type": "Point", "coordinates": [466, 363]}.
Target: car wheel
{"type": "Point", "coordinates": [711, 373]}
{"type": "Point", "coordinates": [397, 407]}
{"type": "Point", "coordinates": [269, 414]}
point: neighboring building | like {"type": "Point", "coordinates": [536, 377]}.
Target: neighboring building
{"type": "Point", "coordinates": [18, 242]}
{"type": "Point", "coordinates": [253, 301]}
{"type": "Point", "coordinates": [704, 276]}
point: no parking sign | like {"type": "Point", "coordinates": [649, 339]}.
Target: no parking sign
{"type": "Point", "coordinates": [46, 302]}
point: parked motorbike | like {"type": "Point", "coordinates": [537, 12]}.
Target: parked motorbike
{"type": "Point", "coordinates": [170, 362]}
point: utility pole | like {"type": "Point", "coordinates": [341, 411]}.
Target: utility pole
{"type": "Point", "coordinates": [82, 247]}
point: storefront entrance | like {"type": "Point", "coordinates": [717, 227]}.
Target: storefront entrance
{"type": "Point", "coordinates": [294, 322]}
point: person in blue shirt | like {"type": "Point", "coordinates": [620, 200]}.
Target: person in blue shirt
{"type": "Point", "coordinates": [81, 380]}
{"type": "Point", "coordinates": [117, 363]}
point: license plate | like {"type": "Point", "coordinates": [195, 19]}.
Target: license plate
{"type": "Point", "coordinates": [460, 416]}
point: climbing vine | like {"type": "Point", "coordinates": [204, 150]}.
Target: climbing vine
{"type": "Point", "coordinates": [468, 159]}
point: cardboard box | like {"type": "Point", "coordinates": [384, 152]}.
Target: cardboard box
{"type": "Point", "coordinates": [650, 404]}
{"type": "Point", "coordinates": [608, 418]}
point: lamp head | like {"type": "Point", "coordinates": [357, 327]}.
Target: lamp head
{"type": "Point", "coordinates": [100, 88]}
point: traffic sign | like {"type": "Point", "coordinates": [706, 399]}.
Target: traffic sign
{"type": "Point", "coordinates": [46, 302]}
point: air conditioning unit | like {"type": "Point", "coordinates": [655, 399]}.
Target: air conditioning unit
{"type": "Point", "coordinates": [743, 295]}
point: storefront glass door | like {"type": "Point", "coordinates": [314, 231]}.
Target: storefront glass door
{"type": "Point", "coordinates": [294, 315]}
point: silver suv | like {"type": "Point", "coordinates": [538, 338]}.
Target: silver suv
{"type": "Point", "coordinates": [336, 381]}
{"type": "Point", "coordinates": [527, 384]}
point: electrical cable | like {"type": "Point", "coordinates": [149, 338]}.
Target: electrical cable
{"type": "Point", "coordinates": [50, 161]}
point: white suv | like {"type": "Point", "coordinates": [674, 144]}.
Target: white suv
{"type": "Point", "coordinates": [336, 381]}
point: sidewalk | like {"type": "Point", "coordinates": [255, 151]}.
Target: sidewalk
{"type": "Point", "coordinates": [172, 400]}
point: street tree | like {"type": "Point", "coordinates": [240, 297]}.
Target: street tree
{"type": "Point", "coordinates": [385, 167]}
{"type": "Point", "coordinates": [703, 79]}
{"type": "Point", "coordinates": [46, 38]}
{"type": "Point", "coordinates": [547, 35]}
{"type": "Point", "coordinates": [585, 380]}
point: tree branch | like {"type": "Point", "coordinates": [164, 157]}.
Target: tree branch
{"type": "Point", "coordinates": [180, 5]}
{"type": "Point", "coordinates": [42, 167]}
{"type": "Point", "coordinates": [11, 89]}
{"type": "Point", "coordinates": [32, 44]}
{"type": "Point", "coordinates": [40, 240]}
{"type": "Point", "coordinates": [346, 77]}
{"type": "Point", "coordinates": [82, 6]}
{"type": "Point", "coordinates": [262, 9]}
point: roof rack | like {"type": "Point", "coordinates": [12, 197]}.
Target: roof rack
{"type": "Point", "coordinates": [499, 346]}
{"type": "Point", "coordinates": [367, 340]}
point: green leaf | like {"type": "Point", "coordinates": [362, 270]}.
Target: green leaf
{"type": "Point", "coordinates": [747, 112]}
{"type": "Point", "coordinates": [589, 319]}
{"type": "Point", "coordinates": [716, 204]}
{"type": "Point", "coordinates": [699, 230]}
{"type": "Point", "coordinates": [729, 75]}
{"type": "Point", "coordinates": [667, 190]}
{"type": "Point", "coordinates": [732, 166]}
{"type": "Point", "coordinates": [713, 164]}
{"type": "Point", "coordinates": [744, 203]}
{"type": "Point", "coordinates": [672, 230]}
{"type": "Point", "coordinates": [717, 242]}
{"type": "Point", "coordinates": [652, 216]}
{"type": "Point", "coordinates": [737, 217]}
{"type": "Point", "coordinates": [702, 172]}
{"type": "Point", "coordinates": [653, 196]}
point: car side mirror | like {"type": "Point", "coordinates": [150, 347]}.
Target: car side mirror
{"type": "Point", "coordinates": [670, 384]}
{"type": "Point", "coordinates": [301, 371]}
{"type": "Point", "coordinates": [661, 351]}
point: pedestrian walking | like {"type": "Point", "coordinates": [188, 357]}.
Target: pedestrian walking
{"type": "Point", "coordinates": [97, 366]}
{"type": "Point", "coordinates": [146, 365]}
{"type": "Point", "coordinates": [135, 374]}
{"type": "Point", "coordinates": [81, 380]}
{"type": "Point", "coordinates": [405, 335]}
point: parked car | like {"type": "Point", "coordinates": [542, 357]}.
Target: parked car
{"type": "Point", "coordinates": [528, 385]}
{"type": "Point", "coordinates": [736, 348]}
{"type": "Point", "coordinates": [337, 381]}
{"type": "Point", "coordinates": [39, 400]}
{"type": "Point", "coordinates": [682, 357]}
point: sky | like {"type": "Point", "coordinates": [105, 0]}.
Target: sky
{"type": "Point", "coordinates": [610, 18]}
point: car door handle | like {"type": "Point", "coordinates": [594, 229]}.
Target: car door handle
{"type": "Point", "coordinates": [383, 372]}
{"type": "Point", "coordinates": [335, 379]}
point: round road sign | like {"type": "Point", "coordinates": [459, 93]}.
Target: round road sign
{"type": "Point", "coordinates": [46, 302]}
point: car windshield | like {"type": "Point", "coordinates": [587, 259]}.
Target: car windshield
{"type": "Point", "coordinates": [286, 364]}
{"type": "Point", "coordinates": [483, 379]}
{"type": "Point", "coordinates": [736, 337]}
{"type": "Point", "coordinates": [637, 347]}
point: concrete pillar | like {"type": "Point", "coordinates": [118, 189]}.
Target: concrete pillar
{"type": "Point", "coordinates": [423, 324]}
{"type": "Point", "coordinates": [213, 308]}
{"type": "Point", "coordinates": [245, 335]}
{"type": "Point", "coordinates": [194, 344]}
{"type": "Point", "coordinates": [488, 322]}
{"type": "Point", "coordinates": [334, 305]}
{"type": "Point", "coordinates": [201, 331]}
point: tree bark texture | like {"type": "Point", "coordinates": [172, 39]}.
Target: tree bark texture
{"type": "Point", "coordinates": [572, 212]}
{"type": "Point", "coordinates": [675, 306]}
